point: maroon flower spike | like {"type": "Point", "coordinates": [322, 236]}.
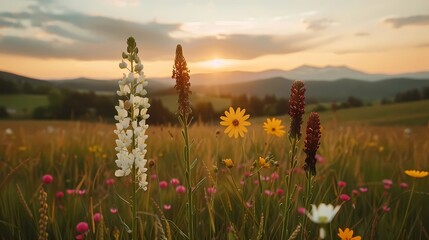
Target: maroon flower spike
{"type": "Point", "coordinates": [296, 108]}
{"type": "Point", "coordinates": [312, 142]}
{"type": "Point", "coordinates": [181, 74]}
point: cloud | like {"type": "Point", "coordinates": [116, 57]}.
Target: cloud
{"type": "Point", "coordinates": [362, 34]}
{"type": "Point", "coordinates": [417, 20]}
{"type": "Point", "coordinates": [5, 23]}
{"type": "Point", "coordinates": [74, 35]}
{"type": "Point", "coordinates": [423, 45]}
{"type": "Point", "coordinates": [318, 24]}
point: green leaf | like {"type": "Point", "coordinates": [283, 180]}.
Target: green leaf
{"type": "Point", "coordinates": [199, 184]}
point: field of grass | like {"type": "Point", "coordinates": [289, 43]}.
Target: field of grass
{"type": "Point", "coordinates": [231, 203]}
{"type": "Point", "coordinates": [219, 104]}
{"type": "Point", "coordinates": [23, 104]}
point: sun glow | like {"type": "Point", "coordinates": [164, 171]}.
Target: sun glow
{"type": "Point", "coordinates": [217, 63]}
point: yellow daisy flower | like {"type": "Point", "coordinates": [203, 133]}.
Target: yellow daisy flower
{"type": "Point", "coordinates": [235, 122]}
{"type": "Point", "coordinates": [347, 234]}
{"type": "Point", "coordinates": [417, 174]}
{"type": "Point", "coordinates": [274, 126]}
{"type": "Point", "coordinates": [263, 162]}
{"type": "Point", "coordinates": [228, 162]}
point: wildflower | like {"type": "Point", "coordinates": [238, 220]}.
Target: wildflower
{"type": "Point", "coordinates": [342, 184]}
{"type": "Point", "coordinates": [385, 208]}
{"type": "Point", "coordinates": [153, 176]}
{"type": "Point", "coordinates": [174, 181]}
{"type": "Point", "coordinates": [268, 192]}
{"type": "Point", "coordinates": [320, 158]}
{"type": "Point", "coordinates": [274, 126]}
{"type": "Point", "coordinates": [280, 191]}
{"type": "Point", "coordinates": [235, 121]}
{"type": "Point", "coordinates": [70, 191]}
{"type": "Point", "coordinates": [347, 234]}
{"type": "Point", "coordinates": [355, 192]}
{"type": "Point", "coordinates": [228, 162]}
{"type": "Point", "coordinates": [363, 189]}
{"type": "Point", "coordinates": [403, 185]}
{"type": "Point", "coordinates": [312, 142]}
{"type": "Point", "coordinates": [301, 211]}
{"type": "Point", "coordinates": [323, 214]}
{"type": "Point", "coordinates": [163, 184]}
{"type": "Point", "coordinates": [387, 183]}
{"type": "Point", "coordinates": [59, 195]}
{"type": "Point", "coordinates": [8, 131]}
{"type": "Point", "coordinates": [181, 74]}
{"type": "Point", "coordinates": [211, 190]}
{"type": "Point", "coordinates": [46, 179]}
{"type": "Point", "coordinates": [274, 176]}
{"type": "Point", "coordinates": [264, 163]}
{"type": "Point", "coordinates": [113, 210]}
{"type": "Point", "coordinates": [81, 192]}
{"type": "Point", "coordinates": [110, 181]}
{"type": "Point", "coordinates": [344, 197]}
{"type": "Point", "coordinates": [97, 217]}
{"type": "Point", "coordinates": [131, 116]}
{"type": "Point", "coordinates": [82, 227]}
{"type": "Point", "coordinates": [167, 207]}
{"type": "Point", "coordinates": [417, 174]}
{"type": "Point", "coordinates": [180, 189]}
{"type": "Point", "coordinates": [296, 108]}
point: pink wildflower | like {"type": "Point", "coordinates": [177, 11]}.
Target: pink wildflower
{"type": "Point", "coordinates": [163, 184]}
{"type": "Point", "coordinates": [82, 227]}
{"type": "Point", "coordinates": [113, 210]}
{"type": "Point", "coordinates": [344, 197]}
{"type": "Point", "coordinates": [301, 211]}
{"type": "Point", "coordinates": [167, 207]}
{"type": "Point", "coordinates": [97, 217]}
{"type": "Point", "coordinates": [46, 179]}
{"type": "Point", "coordinates": [110, 181]}
{"type": "Point", "coordinates": [211, 190]}
{"type": "Point", "coordinates": [342, 184]}
{"type": "Point", "coordinates": [403, 185]}
{"type": "Point", "coordinates": [180, 189]}
{"type": "Point", "coordinates": [174, 181]}
{"type": "Point", "coordinates": [59, 194]}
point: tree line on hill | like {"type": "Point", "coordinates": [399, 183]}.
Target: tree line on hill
{"type": "Point", "coordinates": [409, 96]}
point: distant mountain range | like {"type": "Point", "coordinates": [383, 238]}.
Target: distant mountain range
{"type": "Point", "coordinates": [323, 83]}
{"type": "Point", "coordinates": [305, 72]}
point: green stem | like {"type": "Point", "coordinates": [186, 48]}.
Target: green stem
{"type": "Point", "coordinates": [288, 195]}
{"type": "Point", "coordinates": [406, 210]}
{"type": "Point", "coordinates": [307, 198]}
{"type": "Point", "coordinates": [188, 177]}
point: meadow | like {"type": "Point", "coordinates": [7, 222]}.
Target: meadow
{"type": "Point", "coordinates": [355, 159]}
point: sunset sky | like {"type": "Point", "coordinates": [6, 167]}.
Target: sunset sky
{"type": "Point", "coordinates": [54, 39]}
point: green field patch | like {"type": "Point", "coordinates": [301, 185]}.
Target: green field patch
{"type": "Point", "coordinates": [23, 105]}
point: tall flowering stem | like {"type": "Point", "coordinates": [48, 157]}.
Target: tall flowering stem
{"type": "Point", "coordinates": [181, 74]}
{"type": "Point", "coordinates": [131, 126]}
{"type": "Point", "coordinates": [296, 110]}
{"type": "Point", "coordinates": [312, 143]}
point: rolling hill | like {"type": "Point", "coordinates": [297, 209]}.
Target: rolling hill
{"type": "Point", "coordinates": [319, 90]}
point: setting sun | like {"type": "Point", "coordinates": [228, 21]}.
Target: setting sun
{"type": "Point", "coordinates": [217, 63]}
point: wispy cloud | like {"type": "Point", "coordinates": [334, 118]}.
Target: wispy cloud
{"type": "Point", "coordinates": [76, 35]}
{"type": "Point", "coordinates": [362, 34]}
{"type": "Point", "coordinates": [318, 24]}
{"type": "Point", "coordinates": [417, 20]}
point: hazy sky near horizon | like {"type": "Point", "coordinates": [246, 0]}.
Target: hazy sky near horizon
{"type": "Point", "coordinates": [66, 39]}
